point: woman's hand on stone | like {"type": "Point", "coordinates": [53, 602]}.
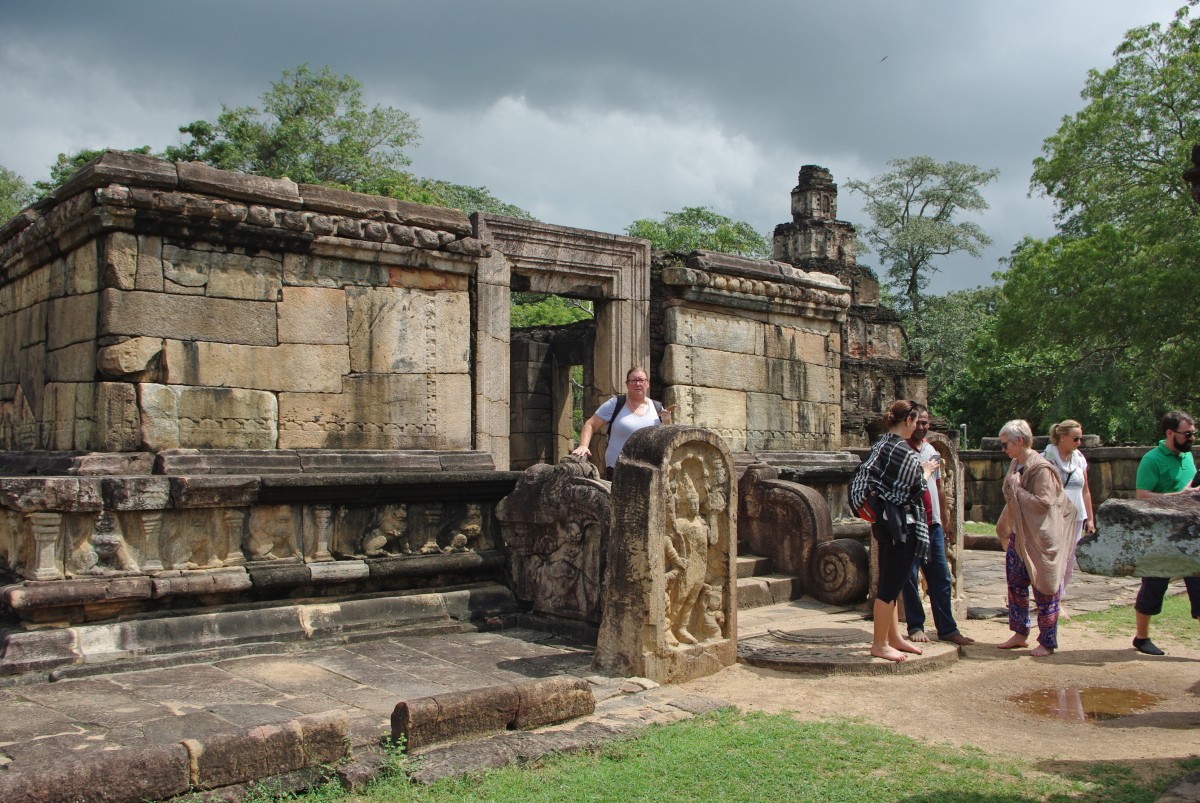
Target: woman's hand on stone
{"type": "Point", "coordinates": [581, 451]}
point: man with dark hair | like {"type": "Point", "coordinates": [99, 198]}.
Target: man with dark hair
{"type": "Point", "coordinates": [936, 567]}
{"type": "Point", "coordinates": [1165, 470]}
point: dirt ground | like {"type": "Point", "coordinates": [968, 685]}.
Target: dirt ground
{"type": "Point", "coordinates": [970, 702]}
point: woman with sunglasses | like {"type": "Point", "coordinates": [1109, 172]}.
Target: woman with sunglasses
{"type": "Point", "coordinates": [1063, 453]}
{"type": "Point", "coordinates": [1039, 522]}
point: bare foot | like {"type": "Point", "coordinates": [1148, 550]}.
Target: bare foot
{"type": "Point", "coordinates": [919, 637]}
{"type": "Point", "coordinates": [889, 654]}
{"type": "Point", "coordinates": [1040, 652]}
{"type": "Point", "coordinates": [904, 646]}
{"type": "Point", "coordinates": [1015, 642]}
{"type": "Point", "coordinates": [960, 639]}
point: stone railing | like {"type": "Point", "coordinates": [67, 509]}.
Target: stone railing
{"type": "Point", "coordinates": [211, 528]}
{"type": "Point", "coordinates": [1112, 474]}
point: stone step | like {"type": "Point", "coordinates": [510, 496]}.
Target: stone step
{"type": "Point", "coordinates": [770, 589]}
{"type": "Point", "coordinates": [750, 565]}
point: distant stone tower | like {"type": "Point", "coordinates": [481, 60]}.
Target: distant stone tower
{"type": "Point", "coordinates": [874, 372]}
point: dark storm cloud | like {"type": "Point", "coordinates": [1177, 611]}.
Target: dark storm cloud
{"type": "Point", "coordinates": [594, 114]}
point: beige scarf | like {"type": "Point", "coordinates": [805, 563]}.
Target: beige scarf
{"type": "Point", "coordinates": [1042, 518]}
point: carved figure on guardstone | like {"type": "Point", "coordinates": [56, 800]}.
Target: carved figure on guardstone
{"type": "Point", "coordinates": [112, 553]}
{"type": "Point", "coordinates": [389, 535]}
{"type": "Point", "coordinates": [272, 533]}
{"type": "Point", "coordinates": [690, 535]}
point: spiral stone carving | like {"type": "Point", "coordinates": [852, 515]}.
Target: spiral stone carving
{"type": "Point", "coordinates": [839, 572]}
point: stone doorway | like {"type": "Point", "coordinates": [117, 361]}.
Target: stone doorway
{"type": "Point", "coordinates": [528, 256]}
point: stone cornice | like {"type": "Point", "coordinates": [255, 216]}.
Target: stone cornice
{"type": "Point", "coordinates": [123, 191]}
{"type": "Point", "coordinates": [757, 284]}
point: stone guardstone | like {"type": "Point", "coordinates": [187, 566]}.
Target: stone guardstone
{"type": "Point", "coordinates": [669, 601]}
{"type": "Point", "coordinates": [1144, 538]}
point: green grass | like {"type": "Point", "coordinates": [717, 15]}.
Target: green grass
{"type": "Point", "coordinates": [979, 528]}
{"type": "Point", "coordinates": [1174, 626]}
{"type": "Point", "coordinates": [763, 757]}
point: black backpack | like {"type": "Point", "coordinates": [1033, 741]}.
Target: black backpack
{"type": "Point", "coordinates": [658, 408]}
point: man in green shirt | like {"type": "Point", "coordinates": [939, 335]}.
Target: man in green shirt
{"type": "Point", "coordinates": [1165, 470]}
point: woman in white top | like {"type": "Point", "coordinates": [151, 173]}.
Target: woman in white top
{"type": "Point", "coordinates": [1063, 453]}
{"type": "Point", "coordinates": [637, 411]}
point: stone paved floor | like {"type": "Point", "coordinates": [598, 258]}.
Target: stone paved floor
{"type": "Point", "coordinates": [40, 721]}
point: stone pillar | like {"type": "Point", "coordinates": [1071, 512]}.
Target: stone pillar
{"type": "Point", "coordinates": [669, 602]}
{"type": "Point", "coordinates": [321, 517]}
{"type": "Point", "coordinates": [490, 424]}
{"type": "Point", "coordinates": [151, 530]}
{"type": "Point", "coordinates": [47, 562]}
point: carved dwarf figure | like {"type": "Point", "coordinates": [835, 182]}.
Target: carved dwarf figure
{"type": "Point", "coordinates": [391, 529]}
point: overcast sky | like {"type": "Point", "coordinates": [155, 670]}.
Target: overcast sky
{"type": "Point", "coordinates": [595, 114]}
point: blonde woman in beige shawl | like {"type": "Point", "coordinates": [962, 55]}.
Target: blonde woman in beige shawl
{"type": "Point", "coordinates": [1038, 523]}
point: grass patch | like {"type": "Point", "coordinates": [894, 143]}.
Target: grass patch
{"type": "Point", "coordinates": [1174, 625]}
{"type": "Point", "coordinates": [978, 528]}
{"type": "Point", "coordinates": [770, 757]}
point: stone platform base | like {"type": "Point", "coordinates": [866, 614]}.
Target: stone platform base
{"type": "Point", "coordinates": [839, 650]}
{"type": "Point", "coordinates": [251, 629]}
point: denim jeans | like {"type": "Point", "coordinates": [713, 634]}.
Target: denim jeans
{"type": "Point", "coordinates": [937, 577]}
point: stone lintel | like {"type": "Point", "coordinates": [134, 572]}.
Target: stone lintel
{"type": "Point", "coordinates": [201, 178]}
{"type": "Point", "coordinates": [75, 463]}
{"type": "Point", "coordinates": [214, 491]}
{"type": "Point", "coordinates": [60, 494]}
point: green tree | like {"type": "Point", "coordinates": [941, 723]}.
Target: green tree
{"type": "Point", "coordinates": [914, 209]}
{"type": "Point", "coordinates": [698, 227]}
{"type": "Point", "coordinates": [15, 194]}
{"type": "Point", "coordinates": [1112, 296]}
{"type": "Point", "coordinates": [950, 321]}
{"type": "Point", "coordinates": [313, 127]}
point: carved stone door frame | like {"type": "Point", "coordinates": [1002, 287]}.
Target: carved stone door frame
{"type": "Point", "coordinates": [611, 270]}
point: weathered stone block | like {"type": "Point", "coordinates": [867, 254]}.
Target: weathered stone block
{"type": "Point", "coordinates": [230, 758]}
{"type": "Point", "coordinates": [395, 330]}
{"type": "Point", "coordinates": [705, 329]}
{"type": "Point", "coordinates": [790, 343]}
{"type": "Point", "coordinates": [288, 367]}
{"type": "Point", "coordinates": [313, 315]}
{"type": "Point", "coordinates": [201, 178]}
{"type": "Point", "coordinates": [149, 264]}
{"type": "Point", "coordinates": [684, 365]}
{"type": "Point", "coordinates": [216, 320]}
{"type": "Point", "coordinates": [1144, 538]}
{"type": "Point", "coordinates": [111, 421]}
{"type": "Point", "coordinates": [399, 411]}
{"type": "Point", "coordinates": [145, 772]}
{"type": "Point", "coordinates": [332, 272]}
{"type": "Point", "coordinates": [120, 260]}
{"type": "Point", "coordinates": [72, 319]}
{"type": "Point", "coordinates": [74, 363]}
{"type": "Point", "coordinates": [130, 356]}
{"type": "Point", "coordinates": [713, 408]}
{"type": "Point", "coordinates": [221, 274]}
{"type": "Point", "coordinates": [207, 418]}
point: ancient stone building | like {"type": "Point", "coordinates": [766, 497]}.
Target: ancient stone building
{"type": "Point", "coordinates": [873, 370]}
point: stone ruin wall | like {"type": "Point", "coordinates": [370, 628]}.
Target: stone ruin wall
{"type": "Point", "coordinates": [749, 349]}
{"type": "Point", "coordinates": [873, 371]}
{"type": "Point", "coordinates": [153, 306]}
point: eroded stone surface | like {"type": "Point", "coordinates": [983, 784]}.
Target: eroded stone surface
{"type": "Point", "coordinates": [1144, 538]}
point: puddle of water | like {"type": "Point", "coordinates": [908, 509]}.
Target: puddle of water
{"type": "Point", "coordinates": [1091, 704]}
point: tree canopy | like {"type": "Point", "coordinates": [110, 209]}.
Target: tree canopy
{"type": "Point", "coordinates": [15, 194]}
{"type": "Point", "coordinates": [698, 227]}
{"type": "Point", "coordinates": [1102, 318]}
{"type": "Point", "coordinates": [914, 209]}
{"type": "Point", "coordinates": [313, 127]}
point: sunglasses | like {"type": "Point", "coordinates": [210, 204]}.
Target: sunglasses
{"type": "Point", "coordinates": [1187, 436]}
{"type": "Point", "coordinates": [1077, 439]}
